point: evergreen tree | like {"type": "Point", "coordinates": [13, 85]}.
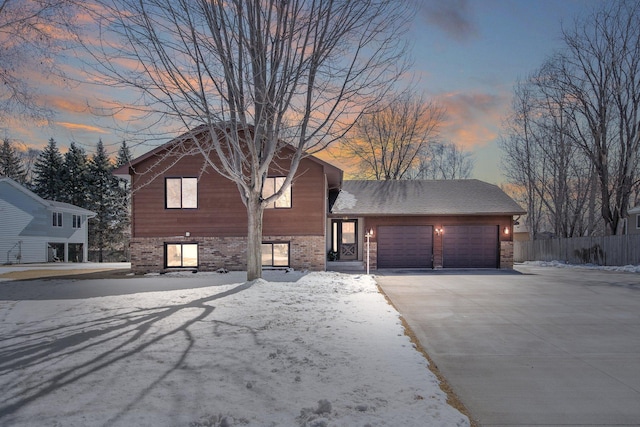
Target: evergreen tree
{"type": "Point", "coordinates": [124, 155]}
{"type": "Point", "coordinates": [47, 173]}
{"type": "Point", "coordinates": [124, 201]}
{"type": "Point", "coordinates": [11, 165]}
{"type": "Point", "coordinates": [103, 200]}
{"type": "Point", "coordinates": [75, 177]}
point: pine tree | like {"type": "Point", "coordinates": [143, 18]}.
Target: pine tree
{"type": "Point", "coordinates": [47, 171]}
{"type": "Point", "coordinates": [124, 155]}
{"type": "Point", "coordinates": [103, 200]}
{"type": "Point", "coordinates": [75, 177]}
{"type": "Point", "coordinates": [11, 165]}
{"type": "Point", "coordinates": [124, 202]}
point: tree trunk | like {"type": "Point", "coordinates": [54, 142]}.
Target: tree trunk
{"type": "Point", "coordinates": [254, 237]}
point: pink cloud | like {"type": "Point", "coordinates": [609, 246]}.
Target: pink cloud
{"type": "Point", "coordinates": [473, 119]}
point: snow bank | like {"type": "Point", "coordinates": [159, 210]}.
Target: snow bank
{"type": "Point", "coordinates": [561, 264]}
{"type": "Point", "coordinates": [326, 350]}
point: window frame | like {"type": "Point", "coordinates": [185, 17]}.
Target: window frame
{"type": "Point", "coordinates": [182, 192]}
{"type": "Point", "coordinates": [57, 219]}
{"type": "Point", "coordinates": [273, 180]}
{"type": "Point", "coordinates": [638, 221]}
{"type": "Point", "coordinates": [76, 221]}
{"type": "Point", "coordinates": [272, 244]}
{"type": "Point", "coordinates": [181, 244]}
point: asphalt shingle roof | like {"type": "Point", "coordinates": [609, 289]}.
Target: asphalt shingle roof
{"type": "Point", "coordinates": [418, 197]}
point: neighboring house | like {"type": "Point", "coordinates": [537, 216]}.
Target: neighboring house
{"type": "Point", "coordinates": [186, 215]}
{"type": "Point", "coordinates": [633, 220]}
{"type": "Point", "coordinates": [37, 230]}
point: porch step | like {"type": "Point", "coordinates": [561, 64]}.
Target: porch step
{"type": "Point", "coordinates": [345, 266]}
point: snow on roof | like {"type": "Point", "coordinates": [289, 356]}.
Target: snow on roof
{"type": "Point", "coordinates": [424, 197]}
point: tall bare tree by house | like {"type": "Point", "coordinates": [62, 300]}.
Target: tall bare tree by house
{"type": "Point", "coordinates": [390, 141]}
{"type": "Point", "coordinates": [585, 105]}
{"type": "Point", "coordinates": [540, 157]}
{"type": "Point", "coordinates": [298, 71]}
{"type": "Point", "coordinates": [32, 34]}
{"type": "Point", "coordinates": [600, 72]}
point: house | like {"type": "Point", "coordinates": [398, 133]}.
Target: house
{"type": "Point", "coordinates": [633, 220]}
{"type": "Point", "coordinates": [37, 230]}
{"type": "Point", "coordinates": [186, 215]}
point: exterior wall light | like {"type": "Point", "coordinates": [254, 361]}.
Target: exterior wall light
{"type": "Point", "coordinates": [506, 231]}
{"type": "Point", "coordinates": [439, 231]}
{"type": "Point", "coordinates": [187, 234]}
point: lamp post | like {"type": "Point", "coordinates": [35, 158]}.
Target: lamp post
{"type": "Point", "coordinates": [368, 235]}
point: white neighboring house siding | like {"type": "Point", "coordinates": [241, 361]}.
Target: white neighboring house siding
{"type": "Point", "coordinates": [27, 228]}
{"type": "Point", "coordinates": [14, 248]}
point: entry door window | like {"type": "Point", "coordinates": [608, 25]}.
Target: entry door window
{"type": "Point", "coordinates": [345, 239]}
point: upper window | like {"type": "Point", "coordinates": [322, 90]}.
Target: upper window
{"type": "Point", "coordinates": [181, 254]}
{"type": "Point", "coordinates": [181, 193]}
{"type": "Point", "coordinates": [76, 221]}
{"type": "Point", "coordinates": [638, 221]}
{"type": "Point", "coordinates": [57, 219]}
{"type": "Point", "coordinates": [273, 184]}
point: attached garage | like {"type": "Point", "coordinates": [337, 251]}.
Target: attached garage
{"type": "Point", "coordinates": [428, 224]}
{"type": "Point", "coordinates": [470, 246]}
{"type": "Point", "coordinates": [405, 246]}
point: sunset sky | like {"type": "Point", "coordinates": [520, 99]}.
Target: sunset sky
{"type": "Point", "coordinates": [467, 56]}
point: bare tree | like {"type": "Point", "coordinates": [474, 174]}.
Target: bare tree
{"type": "Point", "coordinates": [445, 160]}
{"type": "Point", "coordinates": [390, 141]}
{"type": "Point", "coordinates": [32, 34]}
{"type": "Point", "coordinates": [255, 73]}
{"type": "Point", "coordinates": [575, 127]}
{"type": "Point", "coordinates": [600, 73]}
{"type": "Point", "coordinates": [541, 158]}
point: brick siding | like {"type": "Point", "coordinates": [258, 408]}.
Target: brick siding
{"type": "Point", "coordinates": [506, 254]}
{"type": "Point", "coordinates": [147, 254]}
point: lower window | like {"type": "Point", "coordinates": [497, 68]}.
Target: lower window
{"type": "Point", "coordinates": [275, 254]}
{"type": "Point", "coordinates": [181, 254]}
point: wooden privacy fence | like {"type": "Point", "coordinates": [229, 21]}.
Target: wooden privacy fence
{"type": "Point", "coordinates": [603, 250]}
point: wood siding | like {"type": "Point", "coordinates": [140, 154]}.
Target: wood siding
{"type": "Point", "coordinates": [220, 211]}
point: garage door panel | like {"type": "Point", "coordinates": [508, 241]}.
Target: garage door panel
{"type": "Point", "coordinates": [401, 246]}
{"type": "Point", "coordinates": [470, 246]}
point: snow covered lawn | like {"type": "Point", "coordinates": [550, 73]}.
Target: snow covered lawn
{"type": "Point", "coordinates": [326, 350]}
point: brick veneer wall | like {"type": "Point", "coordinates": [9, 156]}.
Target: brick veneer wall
{"type": "Point", "coordinates": [506, 255]}
{"type": "Point", "coordinates": [147, 254]}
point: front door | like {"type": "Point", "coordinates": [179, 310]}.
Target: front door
{"type": "Point", "coordinates": [345, 239]}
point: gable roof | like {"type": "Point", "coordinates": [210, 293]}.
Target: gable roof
{"type": "Point", "coordinates": [334, 174]}
{"type": "Point", "coordinates": [49, 204]}
{"type": "Point", "coordinates": [424, 197]}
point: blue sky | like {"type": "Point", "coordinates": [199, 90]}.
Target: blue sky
{"type": "Point", "coordinates": [467, 54]}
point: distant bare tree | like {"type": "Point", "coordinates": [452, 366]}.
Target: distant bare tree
{"type": "Point", "coordinates": [29, 157]}
{"type": "Point", "coordinates": [390, 141]}
{"type": "Point", "coordinates": [443, 160]}
{"type": "Point", "coordinates": [32, 33]}
{"type": "Point", "coordinates": [256, 73]}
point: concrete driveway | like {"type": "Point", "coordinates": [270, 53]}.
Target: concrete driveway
{"type": "Point", "coordinates": [537, 346]}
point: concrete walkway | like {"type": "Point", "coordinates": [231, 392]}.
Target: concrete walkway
{"type": "Point", "coordinates": [539, 346]}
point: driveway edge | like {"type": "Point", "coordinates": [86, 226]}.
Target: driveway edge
{"type": "Point", "coordinates": [452, 398]}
